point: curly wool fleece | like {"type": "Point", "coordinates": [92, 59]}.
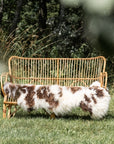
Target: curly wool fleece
{"type": "Point", "coordinates": [60, 99]}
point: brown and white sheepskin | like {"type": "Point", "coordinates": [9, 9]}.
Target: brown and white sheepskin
{"type": "Point", "coordinates": [60, 99]}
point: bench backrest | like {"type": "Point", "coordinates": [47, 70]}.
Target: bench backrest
{"type": "Point", "coordinates": [61, 71]}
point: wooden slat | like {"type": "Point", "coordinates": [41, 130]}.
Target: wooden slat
{"type": "Point", "coordinates": [64, 78]}
{"type": "Point", "coordinates": [9, 102]}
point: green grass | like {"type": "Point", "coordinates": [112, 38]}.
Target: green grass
{"type": "Point", "coordinates": [74, 128]}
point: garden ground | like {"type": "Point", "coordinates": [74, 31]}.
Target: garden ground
{"type": "Point", "coordinates": [74, 128]}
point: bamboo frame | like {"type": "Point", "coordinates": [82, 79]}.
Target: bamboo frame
{"type": "Point", "coordinates": [47, 71]}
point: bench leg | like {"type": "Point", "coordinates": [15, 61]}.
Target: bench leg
{"type": "Point", "coordinates": [9, 112]}
{"type": "Point", "coordinates": [15, 110]}
{"type": "Point", "coordinates": [4, 110]}
{"type": "Point", "coordinates": [52, 116]}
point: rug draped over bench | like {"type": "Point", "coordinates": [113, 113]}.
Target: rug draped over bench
{"type": "Point", "coordinates": [32, 72]}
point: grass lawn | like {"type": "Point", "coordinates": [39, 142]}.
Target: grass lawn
{"type": "Point", "coordinates": [74, 128]}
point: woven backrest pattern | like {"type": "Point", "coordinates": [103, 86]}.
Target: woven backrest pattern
{"type": "Point", "coordinates": [62, 71]}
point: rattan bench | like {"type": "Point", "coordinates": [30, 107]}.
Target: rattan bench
{"type": "Point", "coordinates": [50, 71]}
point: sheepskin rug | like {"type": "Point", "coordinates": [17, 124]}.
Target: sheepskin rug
{"type": "Point", "coordinates": [60, 99]}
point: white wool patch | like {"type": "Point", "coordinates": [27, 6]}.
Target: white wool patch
{"type": "Point", "coordinates": [101, 108]}
{"type": "Point", "coordinates": [40, 103]}
{"type": "Point", "coordinates": [96, 83]}
{"type": "Point", "coordinates": [21, 102]}
{"type": "Point", "coordinates": [55, 89]}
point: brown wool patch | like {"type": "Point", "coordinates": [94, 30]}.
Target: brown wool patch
{"type": "Point", "coordinates": [12, 88]}
{"type": "Point", "coordinates": [44, 93]}
{"type": "Point", "coordinates": [90, 88]}
{"type": "Point", "coordinates": [85, 107]}
{"type": "Point", "coordinates": [93, 98]}
{"type": "Point", "coordinates": [107, 90]}
{"type": "Point", "coordinates": [60, 93]}
{"type": "Point", "coordinates": [17, 94]}
{"type": "Point", "coordinates": [29, 98]}
{"type": "Point", "coordinates": [93, 87]}
{"type": "Point", "coordinates": [99, 92]}
{"type": "Point", "coordinates": [51, 101]}
{"type": "Point", "coordinates": [22, 88]}
{"type": "Point", "coordinates": [87, 99]}
{"type": "Point", "coordinates": [75, 89]}
{"type": "Point", "coordinates": [48, 90]}
{"type": "Point", "coordinates": [19, 90]}
{"type": "Point", "coordinates": [6, 91]}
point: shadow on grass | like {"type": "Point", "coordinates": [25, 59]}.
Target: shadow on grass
{"type": "Point", "coordinates": [71, 116]}
{"type": "Point", "coordinates": [109, 117]}
{"type": "Point", "coordinates": [46, 116]}
{"type": "Point", "coordinates": [21, 114]}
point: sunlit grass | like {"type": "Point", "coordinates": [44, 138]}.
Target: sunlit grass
{"type": "Point", "coordinates": [74, 128]}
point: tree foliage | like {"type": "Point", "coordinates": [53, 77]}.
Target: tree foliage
{"type": "Point", "coordinates": [47, 28]}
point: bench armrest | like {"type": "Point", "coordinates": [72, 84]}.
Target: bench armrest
{"type": "Point", "coordinates": [104, 79]}
{"type": "Point", "coordinates": [5, 77]}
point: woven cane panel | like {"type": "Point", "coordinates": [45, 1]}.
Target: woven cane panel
{"type": "Point", "coordinates": [62, 71]}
